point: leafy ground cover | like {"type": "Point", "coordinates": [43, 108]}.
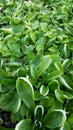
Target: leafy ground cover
{"type": "Point", "coordinates": [36, 64]}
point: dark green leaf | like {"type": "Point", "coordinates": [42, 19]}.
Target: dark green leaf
{"type": "Point", "coordinates": [55, 119]}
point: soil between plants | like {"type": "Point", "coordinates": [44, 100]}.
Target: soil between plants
{"type": "Point", "coordinates": [6, 120]}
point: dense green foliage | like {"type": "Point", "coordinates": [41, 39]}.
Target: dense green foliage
{"type": "Point", "coordinates": [36, 63]}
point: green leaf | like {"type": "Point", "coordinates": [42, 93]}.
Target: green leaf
{"type": "Point", "coordinates": [66, 50]}
{"type": "Point", "coordinates": [3, 74]}
{"type": "Point", "coordinates": [59, 95]}
{"type": "Point", "coordinates": [54, 84]}
{"type": "Point", "coordinates": [36, 42]}
{"type": "Point", "coordinates": [25, 92]}
{"type": "Point", "coordinates": [15, 103]}
{"type": "Point", "coordinates": [54, 75]}
{"type": "Point", "coordinates": [10, 102]}
{"type": "Point", "coordinates": [45, 63]}
{"type": "Point", "coordinates": [70, 120]}
{"type": "Point", "coordinates": [55, 119]}
{"type": "Point", "coordinates": [7, 85]}
{"type": "Point", "coordinates": [68, 95]}
{"type": "Point", "coordinates": [45, 101]}
{"type": "Point", "coordinates": [65, 126]}
{"type": "Point", "coordinates": [44, 90]}
{"type": "Point", "coordinates": [37, 95]}
{"type": "Point", "coordinates": [33, 36]}
{"type": "Point", "coordinates": [55, 58]}
{"type": "Point", "coordinates": [66, 63]}
{"type": "Point", "coordinates": [33, 71]}
{"type": "Point", "coordinates": [66, 82]}
{"type": "Point", "coordinates": [13, 64]}
{"type": "Point", "coordinates": [40, 44]}
{"type": "Point", "coordinates": [1, 121]}
{"type": "Point", "coordinates": [23, 110]}
{"type": "Point", "coordinates": [25, 125]}
{"type": "Point", "coordinates": [7, 30]}
{"type": "Point", "coordinates": [39, 112]}
{"type": "Point", "coordinates": [43, 26]}
{"type": "Point", "coordinates": [25, 40]}
{"type": "Point", "coordinates": [16, 116]}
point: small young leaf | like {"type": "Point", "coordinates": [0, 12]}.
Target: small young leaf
{"type": "Point", "coordinates": [39, 112]}
{"type": "Point", "coordinates": [44, 90]}
{"type": "Point", "coordinates": [59, 95]}
{"type": "Point", "coordinates": [53, 84]}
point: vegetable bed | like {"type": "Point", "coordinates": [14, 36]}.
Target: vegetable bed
{"type": "Point", "coordinates": [36, 65]}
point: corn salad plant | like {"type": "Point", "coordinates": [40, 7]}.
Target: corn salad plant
{"type": "Point", "coordinates": [36, 64]}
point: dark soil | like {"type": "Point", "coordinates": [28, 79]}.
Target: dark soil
{"type": "Point", "coordinates": [6, 120]}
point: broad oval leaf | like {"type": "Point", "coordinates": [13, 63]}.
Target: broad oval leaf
{"type": "Point", "coordinates": [44, 90]}
{"type": "Point", "coordinates": [55, 119]}
{"type": "Point", "coordinates": [25, 92]}
{"type": "Point", "coordinates": [25, 125]}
